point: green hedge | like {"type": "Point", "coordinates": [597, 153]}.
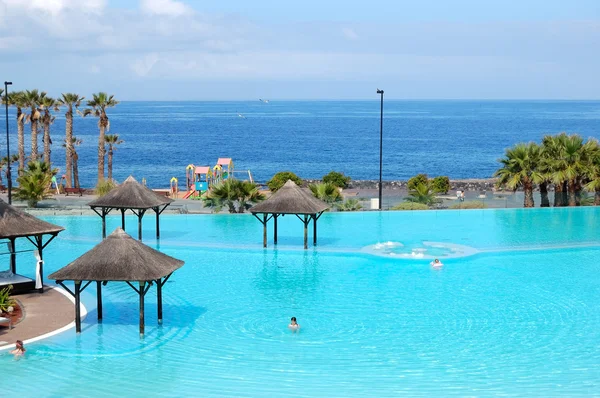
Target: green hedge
{"type": "Point", "coordinates": [440, 184]}
{"type": "Point", "coordinates": [410, 206]}
{"type": "Point", "coordinates": [414, 182]}
{"type": "Point", "coordinates": [474, 204]}
{"type": "Point", "coordinates": [337, 179]}
{"type": "Point", "coordinates": [281, 178]}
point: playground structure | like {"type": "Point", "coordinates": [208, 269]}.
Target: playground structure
{"type": "Point", "coordinates": [199, 179]}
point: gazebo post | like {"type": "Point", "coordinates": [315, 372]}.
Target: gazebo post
{"type": "Point", "coordinates": [314, 217]}
{"type": "Point", "coordinates": [157, 223]}
{"type": "Point", "coordinates": [275, 228]}
{"type": "Point", "coordinates": [99, 299]}
{"type": "Point", "coordinates": [142, 292]}
{"type": "Point", "coordinates": [306, 221]}
{"type": "Point", "coordinates": [77, 306]}
{"type": "Point", "coordinates": [159, 299]}
{"type": "Point", "coordinates": [140, 215]}
{"type": "Point", "coordinates": [13, 256]}
{"type": "Point", "coordinates": [123, 219]}
{"type": "Point", "coordinates": [103, 222]}
{"type": "Point", "coordinates": [40, 246]}
{"type": "Point", "coordinates": [265, 230]}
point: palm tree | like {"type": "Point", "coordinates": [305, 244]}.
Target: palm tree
{"type": "Point", "coordinates": [422, 193]}
{"type": "Point", "coordinates": [31, 100]}
{"type": "Point", "coordinates": [46, 104]}
{"type": "Point", "coordinates": [99, 104]}
{"type": "Point", "coordinates": [69, 100]}
{"type": "Point", "coordinates": [74, 161]}
{"type": "Point", "coordinates": [112, 140]}
{"type": "Point", "coordinates": [592, 173]}
{"type": "Point", "coordinates": [34, 183]}
{"type": "Point", "coordinates": [4, 163]}
{"type": "Point", "coordinates": [230, 193]}
{"type": "Point", "coordinates": [570, 166]}
{"type": "Point", "coordinates": [351, 204]}
{"type": "Point", "coordinates": [519, 170]}
{"type": "Point", "coordinates": [553, 149]}
{"type": "Point", "coordinates": [16, 99]}
{"type": "Point", "coordinates": [326, 191]}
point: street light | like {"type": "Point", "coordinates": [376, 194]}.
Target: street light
{"type": "Point", "coordinates": [8, 175]}
{"type": "Point", "coordinates": [380, 149]}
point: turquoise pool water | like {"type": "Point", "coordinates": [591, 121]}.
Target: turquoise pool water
{"type": "Point", "coordinates": [515, 315]}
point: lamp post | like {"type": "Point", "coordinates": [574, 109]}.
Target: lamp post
{"type": "Point", "coordinates": [380, 149]}
{"type": "Point", "coordinates": [8, 174]}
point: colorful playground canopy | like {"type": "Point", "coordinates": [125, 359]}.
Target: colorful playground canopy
{"type": "Point", "coordinates": [225, 162]}
{"type": "Point", "coordinates": [202, 170]}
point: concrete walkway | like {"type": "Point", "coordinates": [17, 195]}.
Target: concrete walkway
{"type": "Point", "coordinates": [43, 313]}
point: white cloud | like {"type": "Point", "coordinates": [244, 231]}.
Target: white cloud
{"type": "Point", "coordinates": [143, 66]}
{"type": "Point", "coordinates": [55, 7]}
{"type": "Point", "coordinates": [171, 8]}
{"type": "Point", "coordinates": [349, 33]}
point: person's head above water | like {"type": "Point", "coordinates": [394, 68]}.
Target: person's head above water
{"type": "Point", "coordinates": [436, 261]}
{"type": "Point", "coordinates": [293, 320]}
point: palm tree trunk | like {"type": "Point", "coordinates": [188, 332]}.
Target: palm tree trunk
{"type": "Point", "coordinates": [21, 140]}
{"type": "Point", "coordinates": [565, 193]}
{"type": "Point", "coordinates": [558, 195]}
{"type": "Point", "coordinates": [34, 140]}
{"type": "Point", "coordinates": [597, 197]}
{"type": "Point", "coordinates": [47, 142]}
{"type": "Point", "coordinates": [75, 169]}
{"type": "Point", "coordinates": [69, 147]}
{"type": "Point", "coordinates": [528, 188]}
{"type": "Point", "coordinates": [572, 189]}
{"type": "Point", "coordinates": [578, 190]}
{"type": "Point", "coordinates": [545, 201]}
{"type": "Point", "coordinates": [110, 160]}
{"type": "Point", "coordinates": [101, 150]}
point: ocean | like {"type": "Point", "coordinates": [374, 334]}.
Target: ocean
{"type": "Point", "coordinates": [460, 139]}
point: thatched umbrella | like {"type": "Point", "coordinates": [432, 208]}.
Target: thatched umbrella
{"type": "Point", "coordinates": [131, 195]}
{"type": "Point", "coordinates": [290, 199]}
{"type": "Point", "coordinates": [15, 223]}
{"type": "Point", "coordinates": [118, 258]}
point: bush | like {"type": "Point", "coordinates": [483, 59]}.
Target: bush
{"type": "Point", "coordinates": [350, 205]}
{"type": "Point", "coordinates": [417, 180]}
{"type": "Point", "coordinates": [34, 183]}
{"type": "Point", "coordinates": [474, 204]}
{"type": "Point", "coordinates": [337, 179]}
{"type": "Point", "coordinates": [235, 195]}
{"type": "Point", "coordinates": [6, 300]}
{"type": "Point", "coordinates": [410, 206]}
{"type": "Point", "coordinates": [440, 184]}
{"type": "Point", "coordinates": [328, 193]}
{"type": "Point", "coordinates": [105, 186]}
{"type": "Point", "coordinates": [281, 178]}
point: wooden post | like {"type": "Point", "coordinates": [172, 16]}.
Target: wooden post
{"type": "Point", "coordinates": [141, 292]}
{"type": "Point", "coordinates": [305, 231]}
{"type": "Point", "coordinates": [99, 298]}
{"type": "Point", "coordinates": [315, 230]}
{"type": "Point", "coordinates": [157, 223]}
{"type": "Point", "coordinates": [275, 228]}
{"type": "Point", "coordinates": [264, 230]}
{"type": "Point", "coordinates": [159, 299]}
{"type": "Point", "coordinates": [123, 219]}
{"type": "Point", "coordinates": [140, 215]}
{"type": "Point", "coordinates": [77, 307]}
{"type": "Point", "coordinates": [103, 223]}
{"type": "Point", "coordinates": [13, 256]}
{"type": "Point", "coordinates": [40, 247]}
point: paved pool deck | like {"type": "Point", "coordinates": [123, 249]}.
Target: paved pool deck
{"type": "Point", "coordinates": [44, 314]}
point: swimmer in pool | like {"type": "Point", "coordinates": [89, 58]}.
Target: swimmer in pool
{"type": "Point", "coordinates": [294, 326]}
{"type": "Point", "coordinates": [19, 349]}
{"type": "Point", "coordinates": [436, 263]}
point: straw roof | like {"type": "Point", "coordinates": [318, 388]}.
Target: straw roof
{"type": "Point", "coordinates": [131, 195]}
{"type": "Point", "coordinates": [291, 199]}
{"type": "Point", "coordinates": [119, 257]}
{"type": "Point", "coordinates": [15, 223]}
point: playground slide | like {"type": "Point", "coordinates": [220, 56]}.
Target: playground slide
{"type": "Point", "coordinates": [189, 193]}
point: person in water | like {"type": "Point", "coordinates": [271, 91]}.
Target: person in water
{"type": "Point", "coordinates": [294, 326]}
{"type": "Point", "coordinates": [436, 263]}
{"type": "Point", "coordinates": [19, 349]}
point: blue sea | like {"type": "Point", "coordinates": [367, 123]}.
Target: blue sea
{"type": "Point", "coordinates": [461, 139]}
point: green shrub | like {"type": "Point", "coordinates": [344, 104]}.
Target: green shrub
{"type": "Point", "coordinates": [417, 180]}
{"type": "Point", "coordinates": [5, 299]}
{"type": "Point", "coordinates": [35, 182]}
{"type": "Point", "coordinates": [327, 192]}
{"type": "Point", "coordinates": [105, 186]}
{"type": "Point", "coordinates": [337, 179]}
{"type": "Point", "coordinates": [474, 204]}
{"type": "Point", "coordinates": [281, 178]}
{"type": "Point", "coordinates": [440, 184]}
{"type": "Point", "coordinates": [423, 194]}
{"type": "Point", "coordinates": [235, 195]}
{"type": "Point", "coordinates": [350, 205]}
{"type": "Point", "coordinates": [410, 206]}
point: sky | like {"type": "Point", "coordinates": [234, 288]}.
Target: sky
{"type": "Point", "coordinates": [310, 49]}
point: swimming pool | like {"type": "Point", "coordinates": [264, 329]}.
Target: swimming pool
{"type": "Point", "coordinates": [516, 314]}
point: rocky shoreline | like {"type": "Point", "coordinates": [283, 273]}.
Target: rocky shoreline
{"type": "Point", "coordinates": [472, 184]}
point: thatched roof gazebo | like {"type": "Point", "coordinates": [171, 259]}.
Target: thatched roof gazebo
{"type": "Point", "coordinates": [131, 195]}
{"type": "Point", "coordinates": [15, 223]}
{"type": "Point", "coordinates": [290, 199]}
{"type": "Point", "coordinates": [118, 258]}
